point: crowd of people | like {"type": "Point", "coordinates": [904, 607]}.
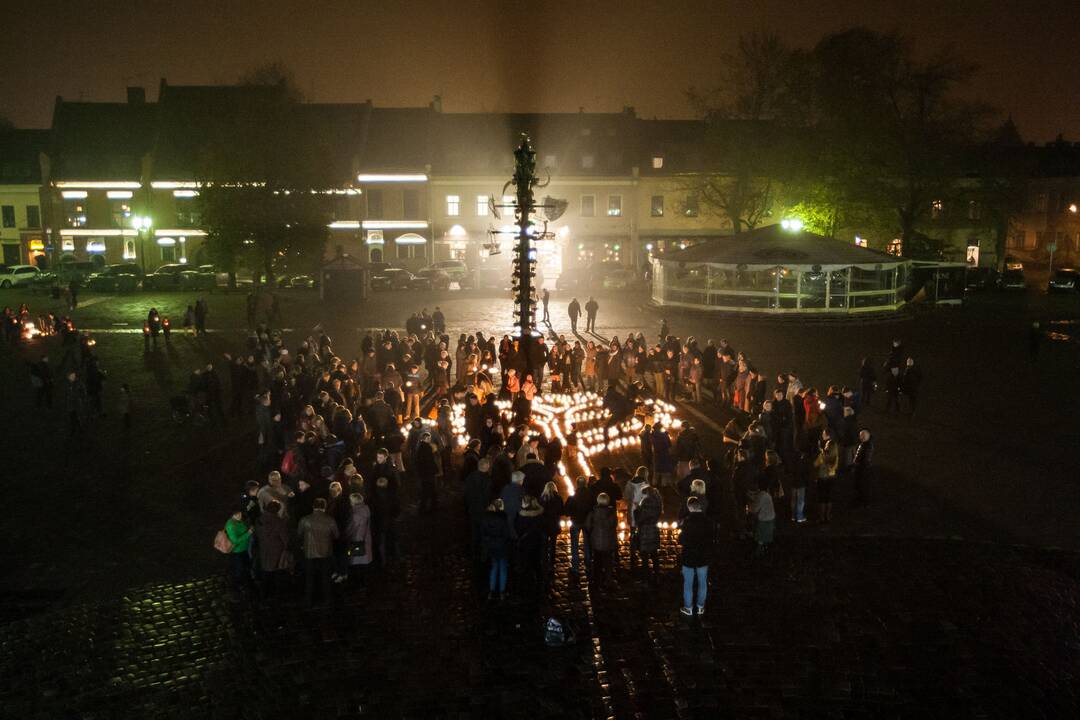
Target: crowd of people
{"type": "Point", "coordinates": [344, 443]}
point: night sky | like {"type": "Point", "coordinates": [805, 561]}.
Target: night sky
{"type": "Point", "coordinates": [488, 55]}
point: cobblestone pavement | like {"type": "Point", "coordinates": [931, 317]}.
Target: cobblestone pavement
{"type": "Point", "coordinates": [821, 627]}
{"type": "Point", "coordinates": [879, 615]}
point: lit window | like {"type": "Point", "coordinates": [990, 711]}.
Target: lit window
{"type": "Point", "coordinates": [974, 210]}
{"type": "Point", "coordinates": [482, 206]}
{"type": "Point", "coordinates": [895, 247]}
{"type": "Point", "coordinates": [657, 162]}
{"type": "Point", "coordinates": [588, 205]}
{"type": "Point", "coordinates": [936, 208]}
{"type": "Point", "coordinates": [587, 161]}
{"type": "Point", "coordinates": [453, 205]}
{"type": "Point", "coordinates": [691, 209]}
{"type": "Point", "coordinates": [121, 212]}
{"type": "Point", "coordinates": [614, 205]}
{"type": "Point", "coordinates": [657, 206]}
{"type": "Point", "coordinates": [129, 249]}
{"type": "Point", "coordinates": [75, 213]}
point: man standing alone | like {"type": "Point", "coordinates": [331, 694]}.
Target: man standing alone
{"type": "Point", "coordinates": [591, 309]}
{"type": "Point", "coordinates": [574, 311]}
{"type": "Point", "coordinates": [546, 298]}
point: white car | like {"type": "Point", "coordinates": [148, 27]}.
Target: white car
{"type": "Point", "coordinates": [16, 275]}
{"type": "Point", "coordinates": [455, 269]}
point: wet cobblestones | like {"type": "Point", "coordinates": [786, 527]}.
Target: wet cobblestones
{"type": "Point", "coordinates": [824, 627]}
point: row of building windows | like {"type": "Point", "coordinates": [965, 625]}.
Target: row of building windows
{"type": "Point", "coordinates": [587, 207]}
{"type": "Point", "coordinates": [8, 220]}
{"type": "Point", "coordinates": [974, 210]}
{"type": "Point", "coordinates": [120, 211]}
{"type": "Point", "coordinates": [1028, 240]}
{"type": "Point", "coordinates": [1058, 202]}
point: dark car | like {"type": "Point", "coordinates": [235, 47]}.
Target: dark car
{"type": "Point", "coordinates": [166, 277]}
{"type": "Point", "coordinates": [393, 279]}
{"type": "Point", "coordinates": [576, 279]}
{"type": "Point", "coordinates": [1012, 279]}
{"type": "Point", "coordinates": [1064, 280]}
{"type": "Point", "coordinates": [121, 277]}
{"type": "Point", "coordinates": [203, 277]}
{"type": "Point", "coordinates": [431, 279]}
{"type": "Point", "coordinates": [980, 278]}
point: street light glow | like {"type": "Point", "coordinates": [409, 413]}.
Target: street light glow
{"type": "Point", "coordinates": [792, 224]}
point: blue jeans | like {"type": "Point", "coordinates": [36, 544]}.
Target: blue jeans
{"type": "Point", "coordinates": [497, 578]}
{"type": "Point", "coordinates": [798, 503]}
{"type": "Point", "coordinates": [577, 531]}
{"type": "Point", "coordinates": [688, 576]}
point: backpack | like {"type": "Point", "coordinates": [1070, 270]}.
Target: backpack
{"type": "Point", "coordinates": [288, 463]}
{"type": "Point", "coordinates": [556, 634]}
{"type": "Point", "coordinates": [222, 543]}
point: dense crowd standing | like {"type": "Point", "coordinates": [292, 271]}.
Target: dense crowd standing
{"type": "Point", "coordinates": [342, 444]}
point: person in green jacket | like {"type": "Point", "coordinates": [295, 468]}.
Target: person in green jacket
{"type": "Point", "coordinates": [239, 533]}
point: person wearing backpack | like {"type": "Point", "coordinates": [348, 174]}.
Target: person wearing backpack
{"type": "Point", "coordinates": [696, 541]}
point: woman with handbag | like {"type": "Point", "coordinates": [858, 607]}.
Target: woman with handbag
{"type": "Point", "coordinates": [239, 534]}
{"type": "Point", "coordinates": [358, 546]}
{"type": "Point", "coordinates": [272, 542]}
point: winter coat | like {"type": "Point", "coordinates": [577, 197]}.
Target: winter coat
{"type": "Point", "coordinates": [237, 530]}
{"type": "Point", "coordinates": [579, 505]}
{"type": "Point", "coordinates": [646, 518]}
{"type": "Point", "coordinates": [477, 494]}
{"type": "Point", "coordinates": [661, 446]}
{"type": "Point", "coordinates": [553, 512]}
{"type": "Point", "coordinates": [359, 529]}
{"type": "Point", "coordinates": [272, 539]}
{"type": "Point", "coordinates": [696, 540]}
{"type": "Point", "coordinates": [601, 524]}
{"type": "Point", "coordinates": [317, 534]}
{"type": "Point", "coordinates": [494, 535]}
{"type": "Point", "coordinates": [529, 528]}
{"type": "Point", "coordinates": [511, 496]}
{"type": "Point", "coordinates": [633, 494]}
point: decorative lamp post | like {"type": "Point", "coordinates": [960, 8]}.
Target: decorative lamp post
{"type": "Point", "coordinates": [142, 225]}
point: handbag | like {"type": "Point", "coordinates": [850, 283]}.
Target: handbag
{"type": "Point", "coordinates": [357, 548]}
{"type": "Point", "coordinates": [222, 543]}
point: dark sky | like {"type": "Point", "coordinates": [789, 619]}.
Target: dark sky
{"type": "Point", "coordinates": [509, 55]}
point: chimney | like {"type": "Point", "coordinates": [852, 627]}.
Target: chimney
{"type": "Point", "coordinates": [136, 95]}
{"type": "Point", "coordinates": [436, 103]}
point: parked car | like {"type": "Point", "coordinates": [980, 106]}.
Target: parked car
{"type": "Point", "coordinates": [1012, 279]}
{"type": "Point", "coordinates": [620, 280]}
{"type": "Point", "coordinates": [1064, 280]}
{"type": "Point", "coordinates": [203, 277]}
{"type": "Point", "coordinates": [431, 278]}
{"type": "Point", "coordinates": [980, 278]}
{"type": "Point", "coordinates": [121, 277]}
{"type": "Point", "coordinates": [16, 275]}
{"type": "Point", "coordinates": [456, 270]}
{"type": "Point", "coordinates": [166, 277]}
{"type": "Point", "coordinates": [64, 273]}
{"type": "Point", "coordinates": [392, 278]}
{"type": "Point", "coordinates": [575, 279]}
{"type": "Point", "coordinates": [487, 277]}
{"type": "Point", "coordinates": [300, 281]}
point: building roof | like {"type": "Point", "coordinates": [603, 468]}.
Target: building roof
{"type": "Point", "coordinates": [19, 163]}
{"type": "Point", "coordinates": [101, 141]}
{"type": "Point", "coordinates": [484, 143]}
{"type": "Point", "coordinates": [773, 245]}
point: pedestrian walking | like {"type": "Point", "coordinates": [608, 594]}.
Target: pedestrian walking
{"type": "Point", "coordinates": [573, 310]}
{"type": "Point", "coordinates": [591, 308]}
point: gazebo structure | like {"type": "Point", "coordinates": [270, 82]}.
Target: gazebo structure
{"type": "Point", "coordinates": [780, 269]}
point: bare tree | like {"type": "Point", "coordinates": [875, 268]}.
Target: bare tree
{"type": "Point", "coordinates": [275, 73]}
